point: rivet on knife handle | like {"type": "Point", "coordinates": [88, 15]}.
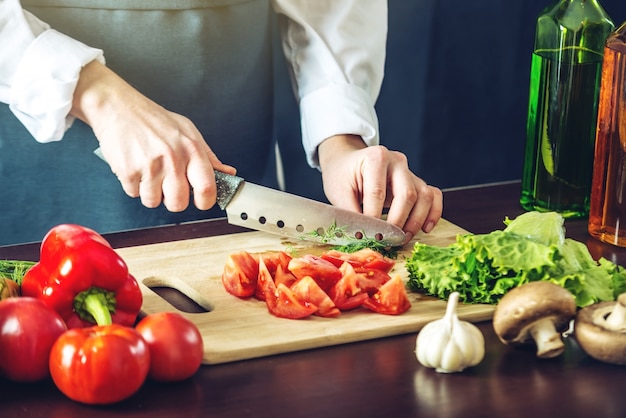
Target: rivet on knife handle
{"type": "Point", "coordinates": [227, 186]}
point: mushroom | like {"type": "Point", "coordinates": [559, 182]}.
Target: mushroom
{"type": "Point", "coordinates": [600, 330]}
{"type": "Point", "coordinates": [536, 311]}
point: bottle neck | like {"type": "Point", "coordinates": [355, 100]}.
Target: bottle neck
{"type": "Point", "coordinates": [617, 40]}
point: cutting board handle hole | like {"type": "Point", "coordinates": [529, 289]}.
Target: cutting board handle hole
{"type": "Point", "coordinates": [178, 294]}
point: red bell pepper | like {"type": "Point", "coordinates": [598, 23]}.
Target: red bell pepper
{"type": "Point", "coordinates": [80, 276]}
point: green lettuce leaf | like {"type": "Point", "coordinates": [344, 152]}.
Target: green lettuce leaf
{"type": "Point", "coordinates": [532, 247]}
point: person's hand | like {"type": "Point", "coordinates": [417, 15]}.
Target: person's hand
{"type": "Point", "coordinates": [368, 179]}
{"type": "Point", "coordinates": [156, 154]}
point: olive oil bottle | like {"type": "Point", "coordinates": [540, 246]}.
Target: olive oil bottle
{"type": "Point", "coordinates": [562, 107]}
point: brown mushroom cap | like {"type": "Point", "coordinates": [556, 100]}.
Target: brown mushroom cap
{"type": "Point", "coordinates": [524, 306]}
{"type": "Point", "coordinates": [595, 338]}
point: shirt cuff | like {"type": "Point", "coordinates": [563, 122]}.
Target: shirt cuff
{"type": "Point", "coordinates": [44, 83]}
{"type": "Point", "coordinates": [336, 109]}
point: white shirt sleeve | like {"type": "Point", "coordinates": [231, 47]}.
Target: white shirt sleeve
{"type": "Point", "coordinates": [39, 70]}
{"type": "Point", "coordinates": [336, 50]}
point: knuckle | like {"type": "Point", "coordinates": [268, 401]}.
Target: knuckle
{"type": "Point", "coordinates": [411, 195]}
{"type": "Point", "coordinates": [377, 153]}
{"type": "Point", "coordinates": [377, 193]}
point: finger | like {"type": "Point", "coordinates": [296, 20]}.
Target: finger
{"type": "Point", "coordinates": [426, 212]}
{"type": "Point", "coordinates": [202, 180]}
{"type": "Point", "coordinates": [218, 165]}
{"type": "Point", "coordinates": [175, 191]}
{"type": "Point", "coordinates": [343, 195]}
{"type": "Point", "coordinates": [128, 177]}
{"type": "Point", "coordinates": [150, 191]}
{"type": "Point", "coordinates": [436, 210]}
{"type": "Point", "coordinates": [130, 185]}
{"type": "Point", "coordinates": [403, 196]}
{"type": "Point", "coordinates": [375, 175]}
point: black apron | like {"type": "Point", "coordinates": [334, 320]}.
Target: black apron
{"type": "Point", "coordinates": [208, 60]}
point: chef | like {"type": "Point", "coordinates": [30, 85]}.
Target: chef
{"type": "Point", "coordinates": [171, 90]}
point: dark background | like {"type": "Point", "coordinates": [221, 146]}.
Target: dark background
{"type": "Point", "coordinates": [455, 94]}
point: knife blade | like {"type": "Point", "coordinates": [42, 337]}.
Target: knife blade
{"type": "Point", "coordinates": [265, 209]}
{"type": "Point", "coordinates": [262, 208]}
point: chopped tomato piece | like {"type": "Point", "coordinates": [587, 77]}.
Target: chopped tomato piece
{"type": "Point", "coordinates": [370, 280]}
{"type": "Point", "coordinates": [284, 276]}
{"type": "Point", "coordinates": [284, 304]}
{"type": "Point", "coordinates": [276, 264]}
{"type": "Point", "coordinates": [273, 259]}
{"type": "Point", "coordinates": [391, 299]}
{"type": "Point", "coordinates": [280, 300]}
{"type": "Point", "coordinates": [240, 274]}
{"type": "Point", "coordinates": [307, 289]}
{"type": "Point", "coordinates": [280, 276]}
{"type": "Point", "coordinates": [265, 282]}
{"type": "Point", "coordinates": [346, 293]}
{"type": "Point", "coordinates": [365, 258]}
{"type": "Point", "coordinates": [322, 271]}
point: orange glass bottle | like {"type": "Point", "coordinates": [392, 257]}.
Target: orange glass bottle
{"type": "Point", "coordinates": [607, 212]}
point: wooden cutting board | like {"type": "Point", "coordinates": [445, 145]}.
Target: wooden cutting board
{"type": "Point", "coordinates": [235, 329]}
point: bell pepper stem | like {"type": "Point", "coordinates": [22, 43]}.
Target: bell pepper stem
{"type": "Point", "coordinates": [95, 305]}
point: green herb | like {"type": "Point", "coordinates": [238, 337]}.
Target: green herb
{"type": "Point", "coordinates": [332, 232]}
{"type": "Point", "coordinates": [372, 244]}
{"type": "Point", "coordinates": [14, 269]}
{"type": "Point", "coordinates": [532, 247]}
{"type": "Point", "coordinates": [354, 244]}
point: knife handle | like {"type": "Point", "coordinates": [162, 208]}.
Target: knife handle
{"type": "Point", "coordinates": [227, 186]}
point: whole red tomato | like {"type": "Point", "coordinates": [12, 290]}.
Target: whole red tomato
{"type": "Point", "coordinates": [28, 329]}
{"type": "Point", "coordinates": [176, 347]}
{"type": "Point", "coordinates": [101, 364]}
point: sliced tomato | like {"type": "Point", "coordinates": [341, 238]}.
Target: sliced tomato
{"type": "Point", "coordinates": [240, 274]}
{"type": "Point", "coordinates": [273, 259]}
{"type": "Point", "coordinates": [371, 280]}
{"type": "Point", "coordinates": [391, 299]}
{"type": "Point", "coordinates": [284, 276]}
{"type": "Point", "coordinates": [276, 263]}
{"type": "Point", "coordinates": [280, 300]}
{"type": "Point", "coordinates": [322, 271]}
{"type": "Point", "coordinates": [281, 275]}
{"type": "Point", "coordinates": [365, 258]}
{"type": "Point", "coordinates": [284, 304]}
{"type": "Point", "coordinates": [307, 289]}
{"type": "Point", "coordinates": [265, 282]}
{"type": "Point", "coordinates": [346, 293]}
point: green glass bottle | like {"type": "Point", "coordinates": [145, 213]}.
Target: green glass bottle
{"type": "Point", "coordinates": [562, 107]}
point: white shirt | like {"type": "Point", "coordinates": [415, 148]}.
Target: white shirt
{"type": "Point", "coordinates": [336, 50]}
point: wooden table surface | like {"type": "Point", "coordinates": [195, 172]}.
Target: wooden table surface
{"type": "Point", "coordinates": [378, 378]}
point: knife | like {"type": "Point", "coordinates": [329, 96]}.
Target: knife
{"type": "Point", "coordinates": [277, 212]}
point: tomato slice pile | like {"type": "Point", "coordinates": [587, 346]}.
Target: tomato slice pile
{"type": "Point", "coordinates": [325, 285]}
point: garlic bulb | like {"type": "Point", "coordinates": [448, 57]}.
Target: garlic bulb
{"type": "Point", "coordinates": [448, 344]}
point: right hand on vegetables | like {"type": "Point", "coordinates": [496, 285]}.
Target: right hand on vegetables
{"type": "Point", "coordinates": [157, 155]}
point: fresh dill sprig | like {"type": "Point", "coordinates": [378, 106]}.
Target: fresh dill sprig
{"type": "Point", "coordinates": [330, 233]}
{"type": "Point", "coordinates": [354, 244]}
